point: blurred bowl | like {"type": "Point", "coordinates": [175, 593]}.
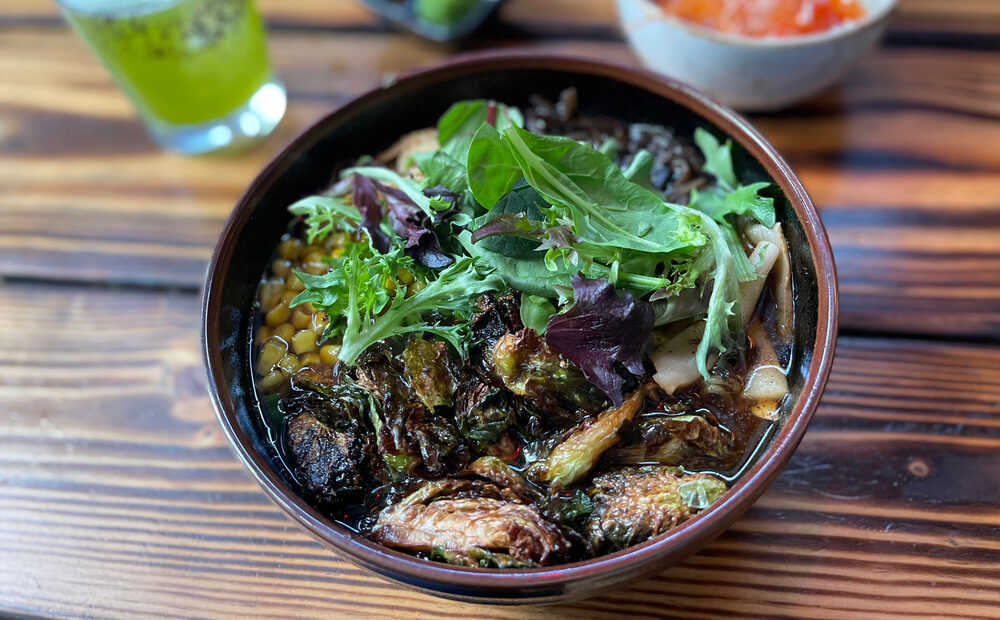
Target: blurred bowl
{"type": "Point", "coordinates": [750, 73]}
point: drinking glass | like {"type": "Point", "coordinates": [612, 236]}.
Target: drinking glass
{"type": "Point", "coordinates": [197, 71]}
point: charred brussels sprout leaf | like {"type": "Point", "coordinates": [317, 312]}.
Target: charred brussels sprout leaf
{"type": "Point", "coordinates": [430, 372]}
{"type": "Point", "coordinates": [573, 459]}
{"type": "Point", "coordinates": [483, 412]}
{"type": "Point", "coordinates": [270, 405]}
{"type": "Point", "coordinates": [503, 476]}
{"type": "Point", "coordinates": [634, 504]}
{"type": "Point", "coordinates": [549, 382]}
{"type": "Point", "coordinates": [569, 509]}
{"type": "Point", "coordinates": [460, 516]}
{"type": "Point", "coordinates": [671, 440]}
{"type": "Point", "coordinates": [700, 491]}
{"type": "Point", "coordinates": [328, 438]}
{"type": "Point", "coordinates": [410, 438]}
{"type": "Point", "coordinates": [474, 556]}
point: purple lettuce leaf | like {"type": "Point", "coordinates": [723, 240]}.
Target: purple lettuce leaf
{"type": "Point", "coordinates": [412, 224]}
{"type": "Point", "coordinates": [365, 198]}
{"type": "Point", "coordinates": [508, 224]}
{"type": "Point", "coordinates": [602, 332]}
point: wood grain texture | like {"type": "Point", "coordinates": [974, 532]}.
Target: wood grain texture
{"type": "Point", "coordinates": [119, 496]}
{"type": "Point", "coordinates": [915, 16]}
{"type": "Point", "coordinates": [901, 161]}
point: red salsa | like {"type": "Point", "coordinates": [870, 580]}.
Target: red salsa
{"type": "Point", "coordinates": [766, 18]}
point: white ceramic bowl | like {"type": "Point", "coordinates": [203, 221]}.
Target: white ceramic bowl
{"type": "Point", "coordinates": [750, 73]}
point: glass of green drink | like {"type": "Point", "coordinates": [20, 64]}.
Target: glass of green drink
{"type": "Point", "coordinates": [196, 70]}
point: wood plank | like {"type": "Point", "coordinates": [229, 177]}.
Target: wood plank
{"type": "Point", "coordinates": [118, 495]}
{"type": "Point", "coordinates": [900, 160]}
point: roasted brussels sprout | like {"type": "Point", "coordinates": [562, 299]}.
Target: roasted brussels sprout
{"type": "Point", "coordinates": [484, 413]}
{"type": "Point", "coordinates": [461, 516]}
{"type": "Point", "coordinates": [497, 316]}
{"type": "Point", "coordinates": [504, 477]}
{"type": "Point", "coordinates": [575, 456]}
{"type": "Point", "coordinates": [672, 440]}
{"type": "Point", "coordinates": [430, 372]}
{"type": "Point", "coordinates": [328, 435]}
{"type": "Point", "coordinates": [634, 504]}
{"type": "Point", "coordinates": [410, 437]}
{"type": "Point", "coordinates": [548, 382]}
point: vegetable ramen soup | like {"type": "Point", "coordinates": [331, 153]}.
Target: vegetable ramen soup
{"type": "Point", "coordinates": [525, 337]}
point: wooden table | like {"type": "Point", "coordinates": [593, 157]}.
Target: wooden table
{"type": "Point", "coordinates": [120, 497]}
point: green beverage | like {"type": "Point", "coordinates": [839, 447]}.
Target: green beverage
{"type": "Point", "coordinates": [186, 65]}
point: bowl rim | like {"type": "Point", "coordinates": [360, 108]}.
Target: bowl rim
{"type": "Point", "coordinates": [447, 580]}
{"type": "Point", "coordinates": [656, 15]}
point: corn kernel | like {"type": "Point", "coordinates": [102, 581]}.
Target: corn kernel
{"type": "Point", "coordinates": [289, 363]}
{"type": "Point", "coordinates": [313, 256]}
{"type": "Point", "coordinates": [284, 331]}
{"type": "Point", "coordinates": [271, 353]}
{"type": "Point", "coordinates": [270, 294]}
{"type": "Point", "coordinates": [319, 322]}
{"type": "Point", "coordinates": [280, 267]}
{"type": "Point", "coordinates": [390, 286]}
{"type": "Point", "coordinates": [304, 341]}
{"type": "Point", "coordinates": [415, 287]}
{"type": "Point", "coordinates": [316, 269]}
{"type": "Point", "coordinates": [289, 248]}
{"type": "Point", "coordinates": [301, 318]}
{"type": "Point", "coordinates": [404, 276]}
{"type": "Point", "coordinates": [272, 381]}
{"type": "Point", "coordinates": [295, 284]}
{"type": "Point", "coordinates": [262, 334]}
{"type": "Point", "coordinates": [278, 314]}
{"type": "Point", "coordinates": [311, 360]}
{"type": "Point", "coordinates": [329, 354]}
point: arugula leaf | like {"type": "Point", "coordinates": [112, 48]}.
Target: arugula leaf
{"type": "Point", "coordinates": [587, 188]}
{"type": "Point", "coordinates": [462, 120]}
{"type": "Point", "coordinates": [728, 197]}
{"type": "Point", "coordinates": [609, 148]}
{"type": "Point", "coordinates": [594, 219]}
{"type": "Point", "coordinates": [744, 200]}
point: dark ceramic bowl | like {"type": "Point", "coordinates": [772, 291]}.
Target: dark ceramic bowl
{"type": "Point", "coordinates": [371, 123]}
